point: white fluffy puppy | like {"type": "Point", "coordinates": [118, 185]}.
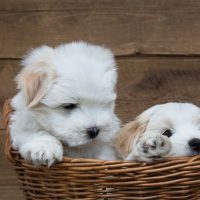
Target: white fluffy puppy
{"type": "Point", "coordinates": [66, 99]}
{"type": "Point", "coordinates": [165, 130]}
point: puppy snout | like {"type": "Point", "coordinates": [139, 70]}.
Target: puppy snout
{"type": "Point", "coordinates": [93, 132]}
{"type": "Point", "coordinates": [195, 144]}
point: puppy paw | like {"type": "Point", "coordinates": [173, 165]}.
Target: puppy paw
{"type": "Point", "coordinates": [153, 147]}
{"type": "Point", "coordinates": [43, 152]}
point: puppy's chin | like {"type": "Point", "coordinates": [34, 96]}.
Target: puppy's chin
{"type": "Point", "coordinates": [77, 142]}
{"type": "Point", "coordinates": [183, 151]}
{"type": "Point", "coordinates": [79, 139]}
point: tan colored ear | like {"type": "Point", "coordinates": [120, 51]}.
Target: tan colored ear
{"type": "Point", "coordinates": [34, 84]}
{"type": "Point", "coordinates": [36, 77]}
{"type": "Point", "coordinates": [129, 135]}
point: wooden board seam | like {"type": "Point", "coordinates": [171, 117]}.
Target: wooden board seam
{"type": "Point", "coordinates": [135, 55]}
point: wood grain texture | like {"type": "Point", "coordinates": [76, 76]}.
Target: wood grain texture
{"type": "Point", "coordinates": [149, 81]}
{"type": "Point", "coordinates": [142, 83]}
{"type": "Point", "coordinates": [129, 28]}
{"type": "Point", "coordinates": [8, 71]}
{"type": "Point", "coordinates": [49, 5]}
{"type": "Point", "coordinates": [9, 186]}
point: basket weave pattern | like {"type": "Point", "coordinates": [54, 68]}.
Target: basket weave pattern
{"type": "Point", "coordinates": [92, 179]}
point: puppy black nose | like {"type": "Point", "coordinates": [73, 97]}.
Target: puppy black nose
{"type": "Point", "coordinates": [93, 132]}
{"type": "Point", "coordinates": [195, 144]}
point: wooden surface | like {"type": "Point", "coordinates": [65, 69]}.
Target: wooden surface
{"type": "Point", "coordinates": [127, 26]}
{"type": "Point", "coordinates": [156, 43]}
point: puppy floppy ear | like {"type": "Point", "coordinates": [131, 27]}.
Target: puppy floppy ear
{"type": "Point", "coordinates": [36, 77]}
{"type": "Point", "coordinates": [131, 132]}
{"type": "Point", "coordinates": [128, 136]}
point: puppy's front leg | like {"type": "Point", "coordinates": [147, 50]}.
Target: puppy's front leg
{"type": "Point", "coordinates": [40, 148]}
{"type": "Point", "coordinates": [152, 147]}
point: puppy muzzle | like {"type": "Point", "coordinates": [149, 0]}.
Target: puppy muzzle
{"type": "Point", "coordinates": [92, 132]}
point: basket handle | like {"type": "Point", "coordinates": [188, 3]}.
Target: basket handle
{"type": "Point", "coordinates": [7, 110]}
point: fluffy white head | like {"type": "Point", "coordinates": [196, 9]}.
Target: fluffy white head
{"type": "Point", "coordinates": [69, 90]}
{"type": "Point", "coordinates": [178, 121]}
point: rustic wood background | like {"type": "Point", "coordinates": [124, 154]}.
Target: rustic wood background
{"type": "Point", "coordinates": [156, 43]}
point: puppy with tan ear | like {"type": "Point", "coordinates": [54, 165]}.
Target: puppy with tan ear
{"type": "Point", "coordinates": [35, 79]}
{"type": "Point", "coordinates": [164, 130]}
{"type": "Point", "coordinates": [65, 104]}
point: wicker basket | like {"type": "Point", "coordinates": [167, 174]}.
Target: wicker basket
{"type": "Point", "coordinates": [92, 179]}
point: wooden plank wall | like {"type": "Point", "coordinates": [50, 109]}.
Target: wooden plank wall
{"type": "Point", "coordinates": [156, 43]}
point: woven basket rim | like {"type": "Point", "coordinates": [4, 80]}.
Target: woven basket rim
{"type": "Point", "coordinates": [11, 153]}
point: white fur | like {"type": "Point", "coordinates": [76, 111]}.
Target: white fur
{"type": "Point", "coordinates": [184, 121]}
{"type": "Point", "coordinates": [78, 73]}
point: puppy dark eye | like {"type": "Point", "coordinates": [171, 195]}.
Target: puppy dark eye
{"type": "Point", "coordinates": [168, 133]}
{"type": "Point", "coordinates": [69, 106]}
